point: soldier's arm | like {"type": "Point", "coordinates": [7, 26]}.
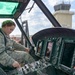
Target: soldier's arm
{"type": "Point", "coordinates": [18, 46]}
{"type": "Point", "coordinates": [5, 59]}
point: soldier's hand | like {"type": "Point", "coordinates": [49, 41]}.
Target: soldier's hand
{"type": "Point", "coordinates": [16, 64]}
{"type": "Point", "coordinates": [27, 50]}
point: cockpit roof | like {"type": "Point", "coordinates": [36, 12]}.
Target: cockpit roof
{"type": "Point", "coordinates": [17, 6]}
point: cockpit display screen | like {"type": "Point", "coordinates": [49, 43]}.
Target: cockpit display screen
{"type": "Point", "coordinates": [67, 54]}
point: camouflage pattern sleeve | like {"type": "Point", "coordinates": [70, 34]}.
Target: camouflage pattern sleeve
{"type": "Point", "coordinates": [18, 46]}
{"type": "Point", "coordinates": [2, 43]}
{"type": "Point", "coordinates": [5, 59]}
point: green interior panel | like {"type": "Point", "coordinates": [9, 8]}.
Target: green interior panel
{"type": "Point", "coordinates": [8, 8]}
{"type": "Point", "coordinates": [12, 8]}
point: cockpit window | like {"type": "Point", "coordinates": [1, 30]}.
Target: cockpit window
{"type": "Point", "coordinates": [39, 47]}
{"type": "Point", "coordinates": [49, 49]}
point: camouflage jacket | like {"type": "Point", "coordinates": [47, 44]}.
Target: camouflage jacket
{"type": "Point", "coordinates": [11, 45]}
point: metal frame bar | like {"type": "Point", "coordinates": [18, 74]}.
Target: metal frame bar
{"type": "Point", "coordinates": [23, 32]}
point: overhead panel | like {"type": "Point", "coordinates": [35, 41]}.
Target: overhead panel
{"type": "Point", "coordinates": [12, 8]}
{"type": "Point", "coordinates": [8, 8]}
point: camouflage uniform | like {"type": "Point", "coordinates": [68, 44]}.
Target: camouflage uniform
{"type": "Point", "coordinates": [12, 51]}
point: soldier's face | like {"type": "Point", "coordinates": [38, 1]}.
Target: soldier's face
{"type": "Point", "coordinates": [9, 29]}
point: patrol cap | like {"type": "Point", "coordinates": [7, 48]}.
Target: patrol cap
{"type": "Point", "coordinates": [8, 23]}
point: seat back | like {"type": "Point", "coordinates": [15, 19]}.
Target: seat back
{"type": "Point", "coordinates": [2, 72]}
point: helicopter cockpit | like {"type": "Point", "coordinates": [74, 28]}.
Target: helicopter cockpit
{"type": "Point", "coordinates": [53, 48]}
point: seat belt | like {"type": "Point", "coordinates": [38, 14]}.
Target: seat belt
{"type": "Point", "coordinates": [4, 37]}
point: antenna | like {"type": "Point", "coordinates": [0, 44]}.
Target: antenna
{"type": "Point", "coordinates": [62, 1]}
{"type": "Point", "coordinates": [69, 1]}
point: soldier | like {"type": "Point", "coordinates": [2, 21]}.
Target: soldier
{"type": "Point", "coordinates": [12, 53]}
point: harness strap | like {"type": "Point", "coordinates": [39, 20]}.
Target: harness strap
{"type": "Point", "coordinates": [4, 37]}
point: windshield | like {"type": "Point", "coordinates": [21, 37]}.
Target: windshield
{"type": "Point", "coordinates": [36, 19]}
